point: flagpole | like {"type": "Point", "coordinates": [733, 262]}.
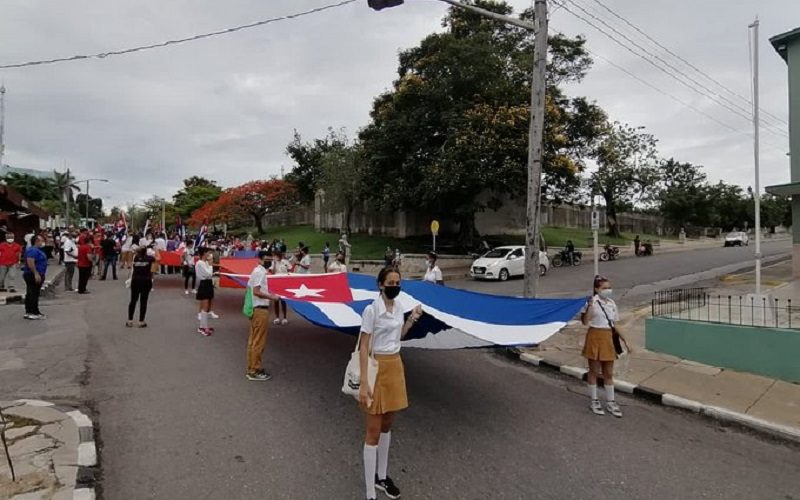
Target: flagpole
{"type": "Point", "coordinates": [163, 216]}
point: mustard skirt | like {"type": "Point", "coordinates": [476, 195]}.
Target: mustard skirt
{"type": "Point", "coordinates": [598, 345]}
{"type": "Point", "coordinates": [389, 394]}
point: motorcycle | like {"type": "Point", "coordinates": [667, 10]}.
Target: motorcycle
{"type": "Point", "coordinates": [609, 253]}
{"type": "Point", "coordinates": [645, 250]}
{"type": "Point", "coordinates": [562, 258]}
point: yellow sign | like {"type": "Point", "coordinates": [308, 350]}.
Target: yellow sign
{"type": "Point", "coordinates": [435, 227]}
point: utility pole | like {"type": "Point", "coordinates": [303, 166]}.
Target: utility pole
{"type": "Point", "coordinates": [2, 122]}
{"type": "Point", "coordinates": [756, 138]}
{"type": "Point", "coordinates": [67, 194]}
{"type": "Point", "coordinates": [535, 139]}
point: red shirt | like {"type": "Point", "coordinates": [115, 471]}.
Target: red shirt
{"type": "Point", "coordinates": [9, 253]}
{"type": "Point", "coordinates": [84, 250]}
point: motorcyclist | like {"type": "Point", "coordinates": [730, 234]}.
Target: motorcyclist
{"type": "Point", "coordinates": [569, 249]}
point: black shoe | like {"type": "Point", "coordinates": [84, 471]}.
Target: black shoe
{"type": "Point", "coordinates": [387, 486]}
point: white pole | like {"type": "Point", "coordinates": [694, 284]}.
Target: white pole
{"type": "Point", "coordinates": [757, 189]}
{"type": "Point", "coordinates": [2, 122]}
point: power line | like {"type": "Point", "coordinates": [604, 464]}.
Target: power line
{"type": "Point", "coordinates": [724, 103]}
{"type": "Point", "coordinates": [748, 101]}
{"type": "Point", "coordinates": [167, 43]}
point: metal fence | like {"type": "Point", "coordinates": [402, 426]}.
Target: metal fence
{"type": "Point", "coordinates": [696, 304]}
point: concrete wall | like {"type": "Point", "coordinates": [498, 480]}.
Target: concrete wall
{"type": "Point", "coordinates": [772, 352]}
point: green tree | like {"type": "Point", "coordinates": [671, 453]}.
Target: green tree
{"type": "Point", "coordinates": [455, 123]}
{"type": "Point", "coordinates": [32, 187]}
{"type": "Point", "coordinates": [156, 206]}
{"type": "Point", "coordinates": [731, 208]}
{"type": "Point", "coordinates": [307, 156]}
{"type": "Point", "coordinates": [627, 173]}
{"type": "Point", "coordinates": [342, 174]}
{"type": "Point", "coordinates": [196, 192]}
{"type": "Point", "coordinates": [95, 206]}
{"type": "Point", "coordinates": [683, 197]}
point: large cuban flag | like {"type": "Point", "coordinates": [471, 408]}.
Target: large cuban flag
{"type": "Point", "coordinates": [454, 318]}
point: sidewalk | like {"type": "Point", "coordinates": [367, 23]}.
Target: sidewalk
{"type": "Point", "coordinates": [670, 246]}
{"type": "Point", "coordinates": [52, 451]}
{"type": "Point", "coordinates": [54, 274]}
{"type": "Point", "coordinates": [751, 400]}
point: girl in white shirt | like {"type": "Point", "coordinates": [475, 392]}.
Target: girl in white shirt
{"type": "Point", "coordinates": [432, 273]}
{"type": "Point", "coordinates": [382, 328]}
{"type": "Point", "coordinates": [280, 266]}
{"type": "Point", "coordinates": [600, 314]}
{"type": "Point", "coordinates": [204, 270]}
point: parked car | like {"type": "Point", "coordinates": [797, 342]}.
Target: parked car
{"type": "Point", "coordinates": [502, 263]}
{"type": "Point", "coordinates": [736, 238]}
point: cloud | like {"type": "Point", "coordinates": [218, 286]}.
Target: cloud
{"type": "Point", "coordinates": [226, 107]}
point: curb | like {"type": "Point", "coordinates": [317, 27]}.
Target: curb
{"type": "Point", "coordinates": [666, 399]}
{"type": "Point", "coordinates": [87, 472]}
{"type": "Point", "coordinates": [48, 286]}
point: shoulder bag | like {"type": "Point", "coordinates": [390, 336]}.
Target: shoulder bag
{"type": "Point", "coordinates": [352, 375]}
{"type": "Point", "coordinates": [614, 333]}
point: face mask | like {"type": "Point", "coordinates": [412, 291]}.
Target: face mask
{"type": "Point", "coordinates": [391, 292]}
{"type": "Point", "coordinates": [9, 241]}
{"type": "Point", "coordinates": [606, 293]}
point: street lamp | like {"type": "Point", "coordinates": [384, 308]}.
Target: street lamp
{"type": "Point", "coordinates": [536, 133]}
{"type": "Point", "coordinates": [87, 181]}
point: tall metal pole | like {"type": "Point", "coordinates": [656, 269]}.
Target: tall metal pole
{"type": "Point", "coordinates": [67, 194]}
{"type": "Point", "coordinates": [756, 138]}
{"type": "Point", "coordinates": [2, 122]}
{"type": "Point", "coordinates": [535, 139]}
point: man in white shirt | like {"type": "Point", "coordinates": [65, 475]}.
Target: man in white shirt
{"type": "Point", "coordinates": [259, 322]}
{"type": "Point", "coordinates": [302, 263]}
{"type": "Point", "coordinates": [70, 258]}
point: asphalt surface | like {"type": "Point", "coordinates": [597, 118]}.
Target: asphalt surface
{"type": "Point", "coordinates": [178, 420]}
{"type": "Point", "coordinates": [635, 278]}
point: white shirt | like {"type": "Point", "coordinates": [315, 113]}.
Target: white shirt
{"type": "Point", "coordinates": [259, 278]}
{"type": "Point", "coordinates": [595, 314]}
{"type": "Point", "coordinates": [433, 275]}
{"type": "Point", "coordinates": [385, 327]}
{"type": "Point", "coordinates": [305, 261]}
{"type": "Point", "coordinates": [69, 246]}
{"type": "Point", "coordinates": [280, 267]}
{"type": "Point", "coordinates": [161, 244]}
{"type": "Point", "coordinates": [203, 270]}
{"type": "Point", "coordinates": [126, 247]}
{"type": "Point", "coordinates": [337, 267]}
{"type": "Point", "coordinates": [188, 256]}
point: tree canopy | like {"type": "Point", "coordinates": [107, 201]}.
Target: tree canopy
{"type": "Point", "coordinates": [196, 192]}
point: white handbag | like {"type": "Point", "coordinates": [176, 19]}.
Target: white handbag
{"type": "Point", "coordinates": [352, 375]}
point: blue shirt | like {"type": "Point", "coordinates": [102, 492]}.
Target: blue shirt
{"type": "Point", "coordinates": [39, 259]}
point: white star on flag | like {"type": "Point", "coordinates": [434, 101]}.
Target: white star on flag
{"type": "Point", "coordinates": [304, 291]}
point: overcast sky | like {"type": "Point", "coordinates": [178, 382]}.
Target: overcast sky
{"type": "Point", "coordinates": [226, 107]}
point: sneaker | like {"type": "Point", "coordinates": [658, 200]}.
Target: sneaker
{"type": "Point", "coordinates": [260, 376]}
{"type": "Point", "coordinates": [29, 316]}
{"type": "Point", "coordinates": [596, 407]}
{"type": "Point", "coordinates": [186, 292]}
{"type": "Point", "coordinates": [40, 316]}
{"type": "Point", "coordinates": [613, 408]}
{"type": "Point", "coordinates": [194, 291]}
{"type": "Point", "coordinates": [284, 321]}
{"type": "Point", "coordinates": [213, 315]}
{"type": "Point", "coordinates": [205, 332]}
{"type": "Point", "coordinates": [277, 321]}
{"type": "Point", "coordinates": [387, 486]}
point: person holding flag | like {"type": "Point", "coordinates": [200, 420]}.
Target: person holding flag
{"type": "Point", "coordinates": [259, 321]}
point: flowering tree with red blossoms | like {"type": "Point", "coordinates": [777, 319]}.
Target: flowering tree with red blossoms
{"type": "Point", "coordinates": [252, 201]}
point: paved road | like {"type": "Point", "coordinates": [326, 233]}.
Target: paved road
{"type": "Point", "coordinates": [633, 278]}
{"type": "Point", "coordinates": [179, 421]}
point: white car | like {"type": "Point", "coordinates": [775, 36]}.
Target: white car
{"type": "Point", "coordinates": [502, 263]}
{"type": "Point", "coordinates": [736, 238]}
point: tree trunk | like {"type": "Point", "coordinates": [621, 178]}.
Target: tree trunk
{"type": "Point", "coordinates": [348, 214]}
{"type": "Point", "coordinates": [259, 223]}
{"type": "Point", "coordinates": [611, 217]}
{"type": "Point", "coordinates": [467, 233]}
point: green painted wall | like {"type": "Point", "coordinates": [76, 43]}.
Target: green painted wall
{"type": "Point", "coordinates": [770, 352]}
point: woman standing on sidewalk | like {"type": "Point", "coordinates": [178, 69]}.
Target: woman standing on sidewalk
{"type": "Point", "coordinates": [382, 328]}
{"type": "Point", "coordinates": [205, 289]}
{"type": "Point", "coordinates": [141, 284]}
{"type": "Point", "coordinates": [601, 315]}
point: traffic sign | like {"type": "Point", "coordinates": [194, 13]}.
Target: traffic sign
{"type": "Point", "coordinates": [435, 227]}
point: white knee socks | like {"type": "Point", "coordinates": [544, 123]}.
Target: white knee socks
{"type": "Point", "coordinates": [383, 453]}
{"type": "Point", "coordinates": [370, 464]}
{"type": "Point", "coordinates": [593, 391]}
{"type": "Point", "coordinates": [609, 393]}
{"type": "Point", "coordinates": [203, 319]}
